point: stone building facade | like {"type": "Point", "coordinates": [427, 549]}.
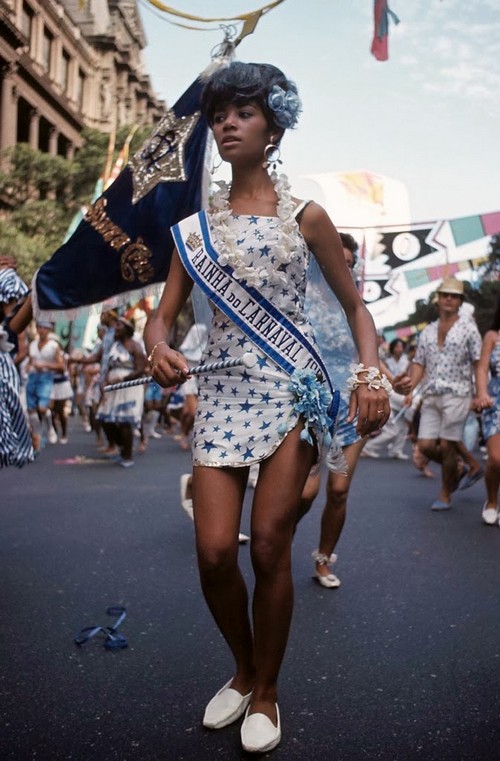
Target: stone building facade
{"type": "Point", "coordinates": [66, 64]}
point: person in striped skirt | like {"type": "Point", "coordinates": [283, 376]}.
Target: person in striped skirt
{"type": "Point", "coordinates": [15, 439]}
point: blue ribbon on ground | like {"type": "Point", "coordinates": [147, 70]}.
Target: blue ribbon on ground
{"type": "Point", "coordinates": [113, 639]}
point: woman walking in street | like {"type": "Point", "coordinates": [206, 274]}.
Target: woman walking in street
{"type": "Point", "coordinates": [249, 252]}
{"type": "Point", "coordinates": [120, 411]}
{"type": "Point", "coordinates": [487, 401]}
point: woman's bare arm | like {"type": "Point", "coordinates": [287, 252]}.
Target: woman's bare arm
{"type": "Point", "coordinates": [168, 366]}
{"type": "Point", "coordinates": [324, 241]}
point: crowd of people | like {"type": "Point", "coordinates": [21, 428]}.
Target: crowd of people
{"type": "Point", "coordinates": [44, 383]}
{"type": "Point", "coordinates": [54, 385]}
{"type": "Point", "coordinates": [282, 283]}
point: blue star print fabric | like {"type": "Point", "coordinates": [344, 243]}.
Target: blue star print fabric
{"type": "Point", "coordinates": [240, 410]}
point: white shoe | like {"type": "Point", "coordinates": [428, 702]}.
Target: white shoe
{"type": "Point", "coordinates": [330, 581]}
{"type": "Point", "coordinates": [400, 456]}
{"type": "Point", "coordinates": [226, 706]}
{"type": "Point", "coordinates": [489, 515]}
{"type": "Point", "coordinates": [52, 435]}
{"type": "Point", "coordinates": [258, 733]}
{"type": "Point", "coordinates": [186, 502]}
{"type": "Point", "coordinates": [155, 435]}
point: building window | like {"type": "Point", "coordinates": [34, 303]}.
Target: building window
{"type": "Point", "coordinates": [27, 22]}
{"type": "Point", "coordinates": [47, 49]}
{"type": "Point", "coordinates": [80, 94]}
{"type": "Point", "coordinates": [65, 71]}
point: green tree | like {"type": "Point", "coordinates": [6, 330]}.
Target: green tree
{"type": "Point", "coordinates": [40, 193]}
{"type": "Point", "coordinates": [484, 300]}
{"type": "Point", "coordinates": [492, 269]}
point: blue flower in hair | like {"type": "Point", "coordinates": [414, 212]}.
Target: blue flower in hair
{"type": "Point", "coordinates": [285, 105]}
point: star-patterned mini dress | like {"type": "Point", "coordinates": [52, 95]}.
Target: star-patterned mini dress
{"type": "Point", "coordinates": [240, 410]}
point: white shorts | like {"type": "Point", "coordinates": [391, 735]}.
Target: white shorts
{"type": "Point", "coordinates": [443, 417]}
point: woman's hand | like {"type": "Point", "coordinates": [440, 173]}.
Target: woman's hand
{"type": "Point", "coordinates": [401, 384]}
{"type": "Point", "coordinates": [482, 402]}
{"type": "Point", "coordinates": [169, 367]}
{"type": "Point", "coordinates": [372, 408]}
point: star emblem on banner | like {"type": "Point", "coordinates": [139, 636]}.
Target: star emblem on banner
{"type": "Point", "coordinates": [161, 159]}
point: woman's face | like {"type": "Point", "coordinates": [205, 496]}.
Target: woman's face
{"type": "Point", "coordinates": [398, 349]}
{"type": "Point", "coordinates": [349, 258]}
{"type": "Point", "coordinates": [43, 332]}
{"type": "Point", "coordinates": [121, 331]}
{"type": "Point", "coordinates": [241, 133]}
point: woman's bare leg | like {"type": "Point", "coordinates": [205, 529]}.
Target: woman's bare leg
{"type": "Point", "coordinates": [492, 473]}
{"type": "Point", "coordinates": [274, 514]}
{"type": "Point", "coordinates": [218, 498]}
{"type": "Point", "coordinates": [334, 512]}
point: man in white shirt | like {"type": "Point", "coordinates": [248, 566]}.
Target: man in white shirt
{"type": "Point", "coordinates": [448, 353]}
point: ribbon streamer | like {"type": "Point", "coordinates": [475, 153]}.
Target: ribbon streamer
{"type": "Point", "coordinates": [113, 639]}
{"type": "Point", "coordinates": [191, 17]}
{"type": "Point", "coordinates": [247, 360]}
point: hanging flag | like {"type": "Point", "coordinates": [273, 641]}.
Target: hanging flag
{"type": "Point", "coordinates": [122, 247]}
{"type": "Point", "coordinates": [380, 42]}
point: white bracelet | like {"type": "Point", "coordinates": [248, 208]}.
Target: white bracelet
{"type": "Point", "coordinates": [374, 378]}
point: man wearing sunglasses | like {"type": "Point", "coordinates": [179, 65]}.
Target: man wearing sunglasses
{"type": "Point", "coordinates": [447, 355]}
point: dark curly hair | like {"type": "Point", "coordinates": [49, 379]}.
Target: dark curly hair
{"type": "Point", "coordinates": [351, 244]}
{"type": "Point", "coordinates": [241, 83]}
{"type": "Point", "coordinates": [394, 343]}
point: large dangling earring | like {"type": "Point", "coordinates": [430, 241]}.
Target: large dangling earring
{"type": "Point", "coordinates": [271, 156]}
{"type": "Point", "coordinates": [215, 165]}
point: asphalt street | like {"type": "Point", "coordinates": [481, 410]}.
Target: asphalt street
{"type": "Point", "coordinates": [401, 663]}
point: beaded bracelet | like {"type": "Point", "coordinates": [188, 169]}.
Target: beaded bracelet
{"type": "Point", "coordinates": [152, 353]}
{"type": "Point", "coordinates": [374, 378]}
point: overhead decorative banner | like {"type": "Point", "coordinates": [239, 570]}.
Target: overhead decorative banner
{"type": "Point", "coordinates": [462, 230]}
{"type": "Point", "coordinates": [123, 244]}
{"type": "Point", "coordinates": [380, 42]}
{"type": "Point", "coordinates": [391, 252]}
{"type": "Point", "coordinates": [409, 279]}
{"type": "Point", "coordinates": [405, 263]}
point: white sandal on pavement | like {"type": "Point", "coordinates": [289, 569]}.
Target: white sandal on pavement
{"type": "Point", "coordinates": [226, 706]}
{"type": "Point", "coordinates": [330, 581]}
{"type": "Point", "coordinates": [258, 733]}
{"type": "Point", "coordinates": [186, 502]}
{"type": "Point", "coordinates": [489, 514]}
